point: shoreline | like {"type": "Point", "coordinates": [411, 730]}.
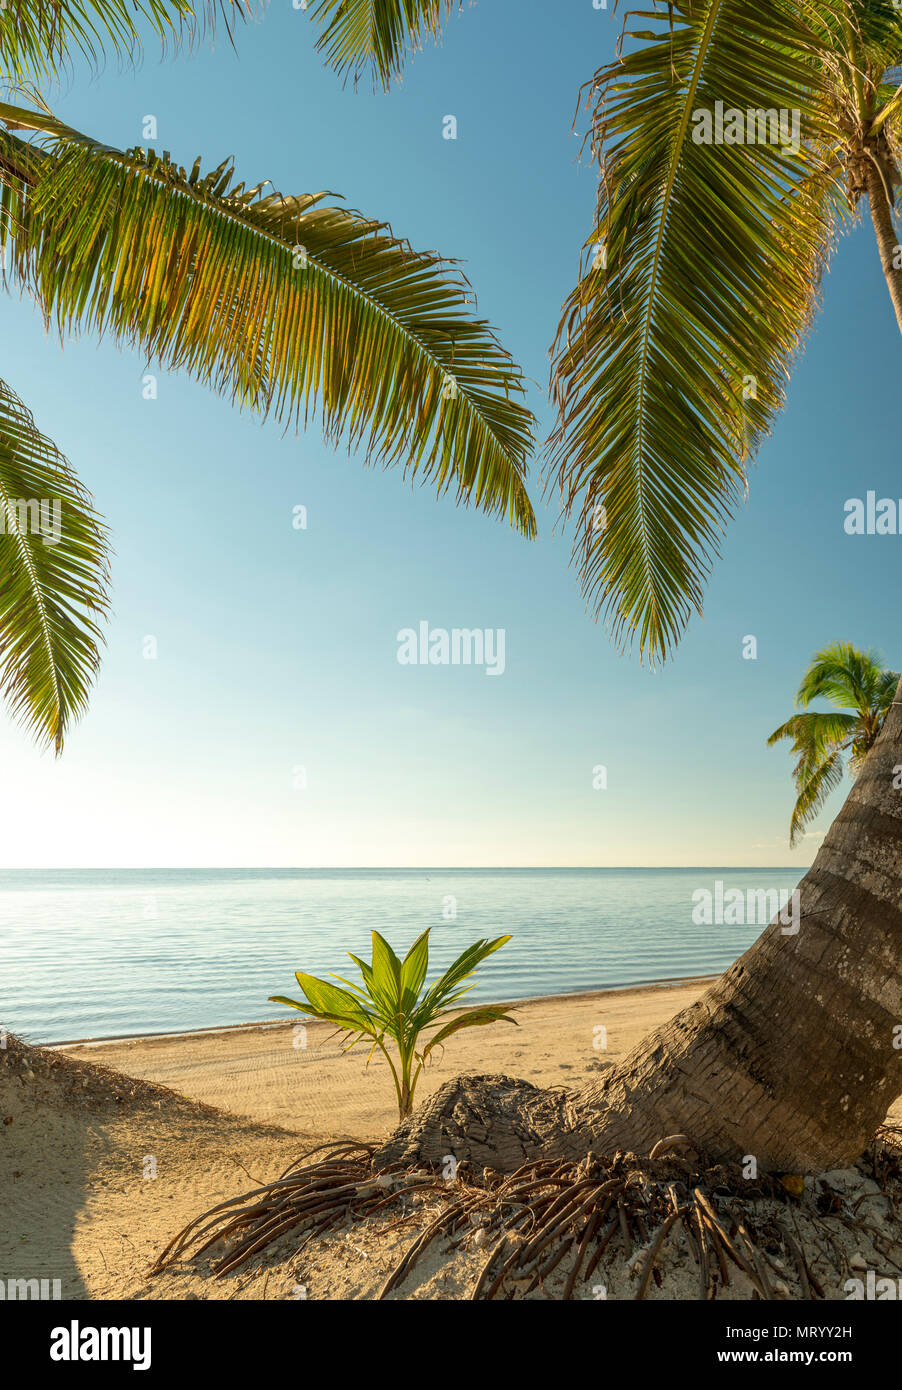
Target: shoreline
{"type": "Point", "coordinates": [265, 1025]}
{"type": "Point", "coordinates": [217, 1112]}
{"type": "Point", "coordinates": [299, 1075]}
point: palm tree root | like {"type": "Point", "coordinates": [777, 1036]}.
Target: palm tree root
{"type": "Point", "coordinates": [556, 1215]}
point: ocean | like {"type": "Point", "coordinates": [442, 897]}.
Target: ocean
{"type": "Point", "coordinates": [87, 953]}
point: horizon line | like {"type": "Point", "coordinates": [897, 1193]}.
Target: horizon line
{"type": "Point", "coordinates": [371, 868]}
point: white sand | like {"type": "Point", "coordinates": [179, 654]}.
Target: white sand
{"type": "Point", "coordinates": [79, 1145]}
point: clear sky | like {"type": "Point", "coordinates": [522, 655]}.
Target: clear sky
{"type": "Point", "coordinates": [277, 647]}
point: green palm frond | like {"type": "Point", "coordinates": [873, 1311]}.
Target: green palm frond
{"type": "Point", "coordinates": [861, 691]}
{"type": "Point", "coordinates": [885, 690]}
{"type": "Point", "coordinates": [452, 986]}
{"type": "Point", "coordinates": [53, 579]}
{"type": "Point", "coordinates": [290, 305]}
{"type": "Point", "coordinates": [847, 676]}
{"type": "Point", "coordinates": [374, 37]}
{"type": "Point", "coordinates": [818, 736]}
{"type": "Point", "coordinates": [38, 37]}
{"type": "Point", "coordinates": [697, 286]}
{"type": "Point", "coordinates": [815, 730]}
{"type": "Point", "coordinates": [866, 39]}
{"type": "Point", "coordinates": [813, 794]}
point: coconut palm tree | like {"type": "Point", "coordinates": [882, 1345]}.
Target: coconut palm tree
{"type": "Point", "coordinates": [861, 690]}
{"type": "Point", "coordinates": [289, 305]}
{"type": "Point", "coordinates": [698, 282]}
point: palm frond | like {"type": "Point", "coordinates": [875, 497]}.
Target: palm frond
{"type": "Point", "coordinates": [843, 674]}
{"type": "Point", "coordinates": [53, 579]}
{"type": "Point", "coordinates": [374, 37]}
{"type": "Point", "coordinates": [38, 37]}
{"type": "Point", "coordinates": [451, 987]}
{"type": "Point", "coordinates": [290, 305]}
{"type": "Point", "coordinates": [697, 286]}
{"type": "Point", "coordinates": [825, 779]}
{"type": "Point", "coordinates": [819, 736]}
{"type": "Point", "coordinates": [816, 730]}
{"type": "Point", "coordinates": [885, 690]}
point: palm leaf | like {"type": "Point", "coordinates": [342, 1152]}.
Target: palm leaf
{"type": "Point", "coordinates": [814, 793]}
{"type": "Point", "coordinates": [386, 976]}
{"type": "Point", "coordinates": [53, 582]}
{"type": "Point", "coordinates": [699, 283]}
{"type": "Point", "coordinates": [365, 969]}
{"type": "Point", "coordinates": [843, 674]}
{"type": "Point", "coordinates": [290, 306]}
{"type": "Point", "coordinates": [38, 37]}
{"type": "Point", "coordinates": [413, 971]}
{"type": "Point", "coordinates": [816, 737]}
{"type": "Point", "coordinates": [885, 690]}
{"type": "Point", "coordinates": [476, 1018]}
{"type": "Point", "coordinates": [326, 1001]}
{"type": "Point", "coordinates": [816, 729]}
{"type": "Point", "coordinates": [449, 987]}
{"type": "Point", "coordinates": [375, 36]}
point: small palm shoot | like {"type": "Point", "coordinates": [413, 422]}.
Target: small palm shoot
{"type": "Point", "coordinates": [391, 1006]}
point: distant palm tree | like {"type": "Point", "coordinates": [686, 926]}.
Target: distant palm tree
{"type": "Point", "coordinates": [853, 681]}
{"type": "Point", "coordinates": [290, 306]}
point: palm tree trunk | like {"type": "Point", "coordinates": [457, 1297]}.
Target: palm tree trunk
{"type": "Point", "coordinates": [887, 240]}
{"type": "Point", "coordinates": [792, 1057]}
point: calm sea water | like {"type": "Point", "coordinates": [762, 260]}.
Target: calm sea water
{"type": "Point", "coordinates": [98, 953]}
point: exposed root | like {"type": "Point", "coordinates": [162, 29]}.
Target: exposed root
{"type": "Point", "coordinates": [673, 1141]}
{"type": "Point", "coordinates": [547, 1213]}
{"type": "Point", "coordinates": [313, 1198]}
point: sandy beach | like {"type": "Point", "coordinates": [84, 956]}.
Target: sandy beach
{"type": "Point", "coordinates": [298, 1077]}
{"type": "Point", "coordinates": [109, 1148]}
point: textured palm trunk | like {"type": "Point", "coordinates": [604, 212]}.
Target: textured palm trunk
{"type": "Point", "coordinates": [887, 241]}
{"type": "Point", "coordinates": [793, 1056]}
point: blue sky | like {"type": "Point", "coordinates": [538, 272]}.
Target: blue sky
{"type": "Point", "coordinates": [277, 647]}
